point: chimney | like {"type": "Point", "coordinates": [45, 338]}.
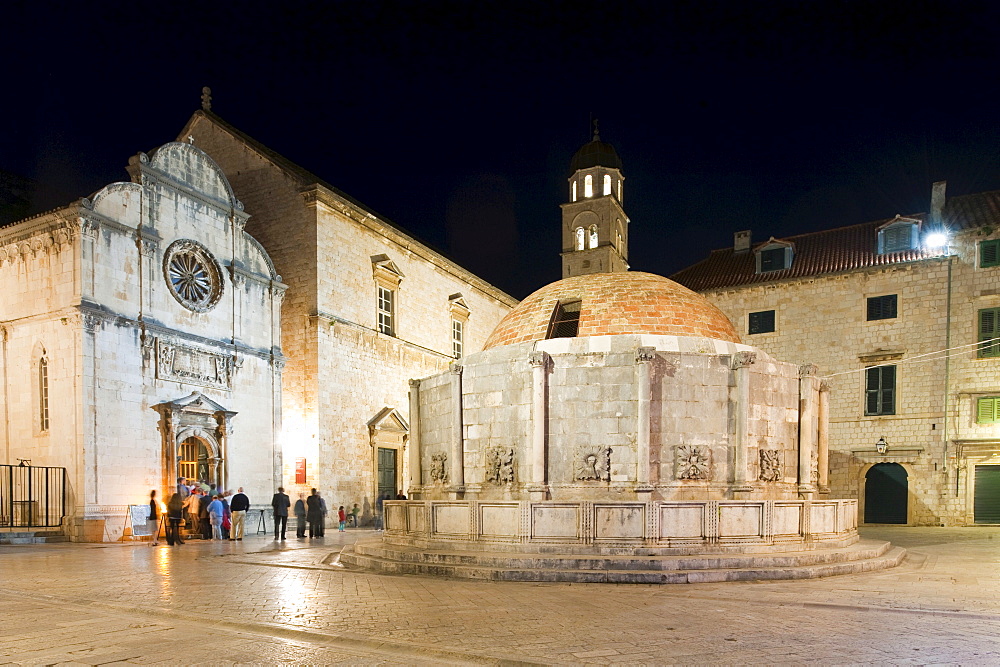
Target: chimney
{"type": "Point", "coordinates": [937, 203]}
{"type": "Point", "coordinates": [741, 241]}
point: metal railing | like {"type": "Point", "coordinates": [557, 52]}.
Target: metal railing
{"type": "Point", "coordinates": [32, 496]}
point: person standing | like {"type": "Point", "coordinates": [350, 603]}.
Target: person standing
{"type": "Point", "coordinates": [323, 511]}
{"type": "Point", "coordinates": [153, 520]}
{"type": "Point", "coordinates": [342, 516]}
{"type": "Point", "coordinates": [355, 511]}
{"type": "Point", "coordinates": [182, 488]}
{"type": "Point", "coordinates": [191, 504]}
{"type": "Point", "coordinates": [280, 504]}
{"type": "Point", "coordinates": [203, 516]}
{"type": "Point", "coordinates": [227, 514]}
{"type": "Point", "coordinates": [300, 517]}
{"type": "Point", "coordinates": [175, 514]}
{"type": "Point", "coordinates": [216, 511]}
{"type": "Point", "coordinates": [314, 514]}
{"type": "Point", "coordinates": [239, 506]}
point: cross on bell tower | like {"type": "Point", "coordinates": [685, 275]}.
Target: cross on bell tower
{"type": "Point", "coordinates": [594, 224]}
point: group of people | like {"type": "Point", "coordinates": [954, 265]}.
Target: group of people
{"type": "Point", "coordinates": [221, 515]}
{"type": "Point", "coordinates": [310, 512]}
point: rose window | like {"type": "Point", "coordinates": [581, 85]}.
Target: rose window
{"type": "Point", "coordinates": [192, 275]}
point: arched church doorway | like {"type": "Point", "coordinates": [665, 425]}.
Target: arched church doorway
{"type": "Point", "coordinates": [195, 462]}
{"type": "Point", "coordinates": [886, 493]}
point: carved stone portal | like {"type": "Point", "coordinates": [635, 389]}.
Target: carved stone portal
{"type": "Point", "coordinates": [595, 464]}
{"type": "Point", "coordinates": [439, 468]}
{"type": "Point", "coordinates": [693, 462]}
{"type": "Point", "coordinates": [770, 465]}
{"type": "Point", "coordinates": [500, 465]}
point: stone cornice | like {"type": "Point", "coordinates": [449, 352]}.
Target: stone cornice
{"type": "Point", "coordinates": [349, 210]}
{"type": "Point", "coordinates": [333, 319]}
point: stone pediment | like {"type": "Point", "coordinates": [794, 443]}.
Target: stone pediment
{"type": "Point", "coordinates": [196, 401]}
{"type": "Point", "coordinates": [388, 419]}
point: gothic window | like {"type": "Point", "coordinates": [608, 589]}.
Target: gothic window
{"type": "Point", "coordinates": [592, 237]}
{"type": "Point", "coordinates": [607, 184]}
{"type": "Point", "coordinates": [588, 186]}
{"type": "Point", "coordinates": [882, 307]}
{"type": "Point", "coordinates": [565, 320]}
{"type": "Point", "coordinates": [193, 276]}
{"type": "Point", "coordinates": [43, 394]}
{"type": "Point", "coordinates": [880, 390]}
{"type": "Point", "coordinates": [580, 238]}
{"type": "Point", "coordinates": [572, 191]}
{"type": "Point", "coordinates": [386, 310]}
{"type": "Point", "coordinates": [989, 333]}
{"type": "Point", "coordinates": [457, 337]}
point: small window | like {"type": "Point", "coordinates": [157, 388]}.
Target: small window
{"type": "Point", "coordinates": [588, 186]}
{"type": "Point", "coordinates": [386, 310]}
{"type": "Point", "coordinates": [457, 337]}
{"type": "Point", "coordinates": [607, 184]}
{"type": "Point", "coordinates": [773, 259]}
{"type": "Point", "coordinates": [988, 410]}
{"type": "Point", "coordinates": [897, 238]}
{"type": "Point", "coordinates": [619, 190]}
{"type": "Point", "coordinates": [989, 253]}
{"type": "Point", "coordinates": [565, 321]}
{"type": "Point", "coordinates": [880, 390]}
{"type": "Point", "coordinates": [761, 322]}
{"type": "Point", "coordinates": [580, 238]}
{"type": "Point", "coordinates": [592, 237]}
{"type": "Point", "coordinates": [989, 333]}
{"type": "Point", "coordinates": [882, 307]}
{"type": "Point", "coordinates": [43, 394]}
{"type": "Point", "coordinates": [572, 191]}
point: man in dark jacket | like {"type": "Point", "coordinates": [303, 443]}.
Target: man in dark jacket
{"type": "Point", "coordinates": [280, 504]}
{"type": "Point", "coordinates": [314, 514]}
{"type": "Point", "coordinates": [206, 525]}
{"type": "Point", "coordinates": [239, 504]}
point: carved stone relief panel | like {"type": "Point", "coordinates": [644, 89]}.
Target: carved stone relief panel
{"type": "Point", "coordinates": [770, 465]}
{"type": "Point", "coordinates": [594, 464]}
{"type": "Point", "coordinates": [182, 363]}
{"type": "Point", "coordinates": [500, 465]}
{"type": "Point", "coordinates": [439, 468]}
{"type": "Point", "coordinates": [693, 462]}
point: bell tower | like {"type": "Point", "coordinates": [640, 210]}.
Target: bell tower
{"type": "Point", "coordinates": [594, 224]}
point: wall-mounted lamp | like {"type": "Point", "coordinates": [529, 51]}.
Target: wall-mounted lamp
{"type": "Point", "coordinates": [881, 446]}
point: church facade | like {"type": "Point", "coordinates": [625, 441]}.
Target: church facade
{"type": "Point", "coordinates": [141, 341]}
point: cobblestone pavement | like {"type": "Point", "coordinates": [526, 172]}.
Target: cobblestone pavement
{"type": "Point", "coordinates": [260, 601]}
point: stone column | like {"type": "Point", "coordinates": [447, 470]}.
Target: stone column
{"type": "Point", "coordinates": [808, 399]}
{"type": "Point", "coordinates": [824, 437]}
{"type": "Point", "coordinates": [644, 360]}
{"type": "Point", "coordinates": [416, 476]}
{"type": "Point", "coordinates": [741, 363]}
{"type": "Point", "coordinates": [457, 439]}
{"type": "Point", "coordinates": [539, 416]}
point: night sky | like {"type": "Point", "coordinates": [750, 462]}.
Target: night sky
{"type": "Point", "coordinates": [457, 121]}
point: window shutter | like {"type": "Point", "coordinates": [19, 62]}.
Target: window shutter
{"type": "Point", "coordinates": [986, 410]}
{"type": "Point", "coordinates": [989, 253]}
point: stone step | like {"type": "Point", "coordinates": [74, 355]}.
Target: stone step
{"type": "Point", "coordinates": [862, 550]}
{"type": "Point", "coordinates": [32, 537]}
{"type": "Point", "coordinates": [879, 556]}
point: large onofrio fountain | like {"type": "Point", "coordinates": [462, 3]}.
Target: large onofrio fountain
{"type": "Point", "coordinates": [614, 428]}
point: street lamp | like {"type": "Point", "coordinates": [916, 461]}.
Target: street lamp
{"type": "Point", "coordinates": [881, 446]}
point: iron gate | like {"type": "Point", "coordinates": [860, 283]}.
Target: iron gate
{"type": "Point", "coordinates": [32, 496]}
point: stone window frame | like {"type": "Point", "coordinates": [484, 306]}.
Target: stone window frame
{"type": "Point", "coordinates": [885, 380]}
{"type": "Point", "coordinates": [460, 312]}
{"type": "Point", "coordinates": [41, 414]}
{"type": "Point", "coordinates": [769, 259]}
{"type": "Point", "coordinates": [213, 274]}
{"type": "Point", "coordinates": [761, 326]}
{"type": "Point", "coordinates": [884, 307]}
{"type": "Point", "coordinates": [388, 278]}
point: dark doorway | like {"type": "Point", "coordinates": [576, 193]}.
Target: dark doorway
{"type": "Point", "coordinates": [886, 494]}
{"type": "Point", "coordinates": [386, 472]}
{"type": "Point", "coordinates": [987, 504]}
